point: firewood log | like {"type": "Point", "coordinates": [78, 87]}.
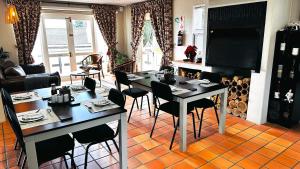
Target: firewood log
{"type": "Point", "coordinates": [236, 112]}
{"type": "Point", "coordinates": [242, 106]}
{"type": "Point", "coordinates": [232, 104]}
{"type": "Point", "coordinates": [243, 115]}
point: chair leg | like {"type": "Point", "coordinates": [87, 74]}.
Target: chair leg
{"type": "Point", "coordinates": [142, 102]}
{"type": "Point", "coordinates": [194, 127]}
{"type": "Point", "coordinates": [102, 73]}
{"type": "Point", "coordinates": [24, 162]}
{"type": "Point", "coordinates": [216, 111]}
{"type": "Point", "coordinates": [116, 145]}
{"type": "Point", "coordinates": [72, 158]}
{"type": "Point", "coordinates": [65, 160]}
{"type": "Point", "coordinates": [174, 134]}
{"type": "Point", "coordinates": [108, 146]}
{"type": "Point", "coordinates": [86, 155]}
{"type": "Point", "coordinates": [154, 123]}
{"type": "Point", "coordinates": [197, 113]}
{"type": "Point", "coordinates": [173, 121]}
{"type": "Point", "coordinates": [131, 109]}
{"type": "Point", "coordinates": [200, 126]}
{"type": "Point", "coordinates": [16, 144]}
{"type": "Point", "coordinates": [20, 156]}
{"type": "Point", "coordinates": [149, 106]}
{"type": "Point", "coordinates": [137, 104]}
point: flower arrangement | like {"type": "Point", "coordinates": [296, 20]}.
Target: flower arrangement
{"type": "Point", "coordinates": [190, 52]}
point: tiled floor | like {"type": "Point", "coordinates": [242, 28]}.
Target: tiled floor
{"type": "Point", "coordinates": [244, 145]}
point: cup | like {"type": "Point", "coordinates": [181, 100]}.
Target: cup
{"type": "Point", "coordinates": [66, 98]}
{"type": "Point", "coordinates": [54, 98]}
{"type": "Point", "coordinates": [60, 98]}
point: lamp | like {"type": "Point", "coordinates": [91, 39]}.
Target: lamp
{"type": "Point", "coordinates": [11, 15]}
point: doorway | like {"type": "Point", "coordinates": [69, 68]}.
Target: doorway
{"type": "Point", "coordinates": [67, 40]}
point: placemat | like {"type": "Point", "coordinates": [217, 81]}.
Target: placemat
{"type": "Point", "coordinates": [50, 117]}
{"type": "Point", "coordinates": [179, 90]}
{"type": "Point", "coordinates": [94, 109]}
{"type": "Point", "coordinates": [34, 97]}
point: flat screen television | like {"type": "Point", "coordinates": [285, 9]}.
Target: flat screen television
{"type": "Point", "coordinates": [234, 48]}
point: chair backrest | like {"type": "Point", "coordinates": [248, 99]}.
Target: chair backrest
{"type": "Point", "coordinates": [161, 90]}
{"type": "Point", "coordinates": [6, 99]}
{"type": "Point", "coordinates": [90, 83]}
{"type": "Point", "coordinates": [14, 122]}
{"type": "Point", "coordinates": [117, 97]}
{"type": "Point", "coordinates": [122, 78]}
{"type": "Point", "coordinates": [213, 77]}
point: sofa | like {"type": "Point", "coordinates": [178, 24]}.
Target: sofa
{"type": "Point", "coordinates": [16, 78]}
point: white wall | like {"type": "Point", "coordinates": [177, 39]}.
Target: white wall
{"type": "Point", "coordinates": [7, 36]}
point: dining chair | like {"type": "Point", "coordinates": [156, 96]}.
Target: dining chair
{"type": "Point", "coordinates": [7, 100]}
{"type": "Point", "coordinates": [163, 91]}
{"type": "Point", "coordinates": [207, 103]}
{"type": "Point", "coordinates": [101, 133]}
{"type": "Point", "coordinates": [135, 93]}
{"type": "Point", "coordinates": [93, 61]}
{"type": "Point", "coordinates": [45, 150]}
{"type": "Point", "coordinates": [90, 84]}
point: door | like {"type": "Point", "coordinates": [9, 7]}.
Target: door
{"type": "Point", "coordinates": [67, 40]}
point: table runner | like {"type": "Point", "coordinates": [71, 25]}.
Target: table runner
{"type": "Point", "coordinates": [50, 117]}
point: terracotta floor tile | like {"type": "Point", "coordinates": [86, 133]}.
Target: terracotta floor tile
{"type": "Point", "coordinates": [195, 148]}
{"type": "Point", "coordinates": [252, 131]}
{"type": "Point", "coordinates": [160, 150]}
{"type": "Point", "coordinates": [195, 161]}
{"type": "Point", "coordinates": [207, 155]}
{"type": "Point", "coordinates": [150, 144]}
{"type": "Point", "coordinates": [170, 159]}
{"type": "Point", "coordinates": [232, 156]}
{"type": "Point", "coordinates": [145, 157]}
{"type": "Point", "coordinates": [208, 166]}
{"type": "Point", "coordinates": [275, 147]}
{"type": "Point", "coordinates": [267, 152]}
{"type": "Point", "coordinates": [297, 166]}
{"type": "Point", "coordinates": [292, 154]}
{"type": "Point", "coordinates": [251, 146]}
{"type": "Point", "coordinates": [266, 136]}
{"type": "Point", "coordinates": [133, 163]}
{"type": "Point", "coordinates": [295, 147]}
{"type": "Point", "coordinates": [236, 167]}
{"type": "Point", "coordinates": [182, 165]}
{"type": "Point", "coordinates": [258, 158]}
{"type": "Point", "coordinates": [282, 142]}
{"type": "Point", "coordinates": [221, 162]}
{"type": "Point", "coordinates": [287, 161]}
{"type": "Point", "coordinates": [242, 151]}
{"type": "Point", "coordinates": [276, 165]}
{"type": "Point", "coordinates": [157, 164]}
{"type": "Point", "coordinates": [248, 164]}
{"type": "Point", "coordinates": [134, 150]}
{"type": "Point", "coordinates": [141, 138]}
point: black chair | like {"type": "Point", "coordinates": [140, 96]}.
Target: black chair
{"type": "Point", "coordinates": [90, 84]}
{"type": "Point", "coordinates": [102, 133]}
{"type": "Point", "coordinates": [46, 150]}
{"type": "Point", "coordinates": [163, 91]}
{"type": "Point", "coordinates": [7, 100]}
{"type": "Point", "coordinates": [207, 103]}
{"type": "Point", "coordinates": [121, 78]}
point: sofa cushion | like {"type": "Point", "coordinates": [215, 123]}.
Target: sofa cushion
{"type": "Point", "coordinates": [14, 71]}
{"type": "Point", "coordinates": [7, 63]}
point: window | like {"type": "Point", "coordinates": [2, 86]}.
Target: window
{"type": "Point", "coordinates": [199, 29]}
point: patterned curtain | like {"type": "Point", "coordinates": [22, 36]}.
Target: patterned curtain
{"type": "Point", "coordinates": [27, 28]}
{"type": "Point", "coordinates": [105, 16]}
{"type": "Point", "coordinates": [138, 12]}
{"type": "Point", "coordinates": [162, 23]}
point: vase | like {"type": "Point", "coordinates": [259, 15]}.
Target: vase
{"type": "Point", "coordinates": [192, 58]}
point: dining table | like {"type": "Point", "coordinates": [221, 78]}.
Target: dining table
{"type": "Point", "coordinates": [189, 90]}
{"type": "Point", "coordinates": [72, 117]}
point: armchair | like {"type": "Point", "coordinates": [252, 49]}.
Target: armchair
{"type": "Point", "coordinates": [93, 61]}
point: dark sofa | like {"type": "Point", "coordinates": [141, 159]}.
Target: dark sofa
{"type": "Point", "coordinates": [32, 76]}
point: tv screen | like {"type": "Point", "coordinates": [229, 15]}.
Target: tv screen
{"type": "Point", "coordinates": [234, 48]}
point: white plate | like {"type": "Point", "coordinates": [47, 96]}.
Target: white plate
{"type": "Point", "coordinates": [22, 97]}
{"type": "Point", "coordinates": [101, 102]}
{"type": "Point", "coordinates": [32, 120]}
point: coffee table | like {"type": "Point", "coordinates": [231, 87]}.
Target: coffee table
{"type": "Point", "coordinates": [83, 74]}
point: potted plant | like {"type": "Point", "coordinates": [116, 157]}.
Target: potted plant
{"type": "Point", "coordinates": [190, 53]}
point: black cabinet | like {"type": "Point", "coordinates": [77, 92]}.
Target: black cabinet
{"type": "Point", "coordinates": [285, 80]}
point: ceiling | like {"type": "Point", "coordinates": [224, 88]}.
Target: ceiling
{"type": "Point", "coordinates": [111, 2]}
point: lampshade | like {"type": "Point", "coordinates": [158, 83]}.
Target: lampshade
{"type": "Point", "coordinates": [11, 15]}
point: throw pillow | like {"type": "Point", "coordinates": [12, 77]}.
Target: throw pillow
{"type": "Point", "coordinates": [14, 71]}
{"type": "Point", "coordinates": [7, 63]}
